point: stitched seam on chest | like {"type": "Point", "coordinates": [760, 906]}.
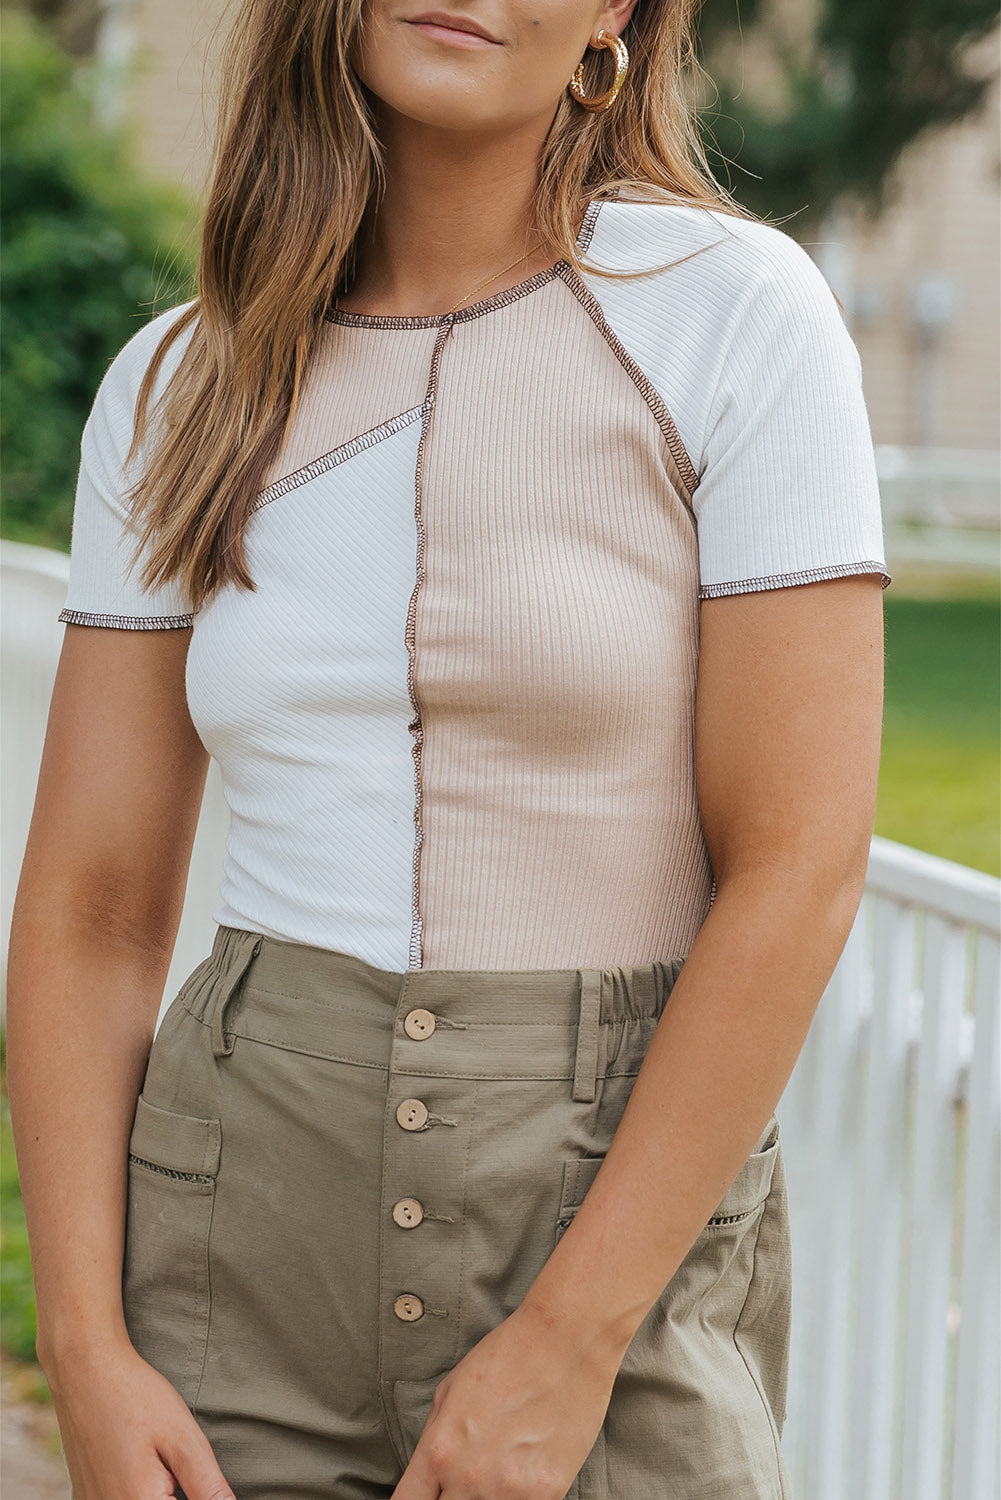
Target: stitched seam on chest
{"type": "Point", "coordinates": [416, 727]}
{"type": "Point", "coordinates": [686, 469]}
{"type": "Point", "coordinates": [337, 456]}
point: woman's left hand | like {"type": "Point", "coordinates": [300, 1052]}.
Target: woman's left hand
{"type": "Point", "coordinates": [514, 1419]}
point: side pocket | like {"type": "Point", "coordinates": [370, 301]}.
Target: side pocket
{"type": "Point", "coordinates": [752, 1183]}
{"type": "Point", "coordinates": [173, 1164]}
{"type": "Point", "coordinates": [745, 1194]}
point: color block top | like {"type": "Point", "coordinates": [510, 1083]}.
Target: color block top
{"type": "Point", "coordinates": [455, 718]}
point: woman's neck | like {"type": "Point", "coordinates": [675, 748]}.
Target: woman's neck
{"type": "Point", "coordinates": [447, 220]}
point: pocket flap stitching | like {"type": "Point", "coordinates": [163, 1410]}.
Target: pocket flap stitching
{"type": "Point", "coordinates": [181, 1143]}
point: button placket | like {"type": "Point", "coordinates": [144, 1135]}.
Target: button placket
{"type": "Point", "coordinates": [412, 1115]}
{"type": "Point", "coordinates": [420, 1271]}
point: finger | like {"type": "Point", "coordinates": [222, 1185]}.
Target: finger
{"type": "Point", "coordinates": [193, 1465]}
{"type": "Point", "coordinates": [417, 1482]}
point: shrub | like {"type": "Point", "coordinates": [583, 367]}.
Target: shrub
{"type": "Point", "coordinates": [91, 248]}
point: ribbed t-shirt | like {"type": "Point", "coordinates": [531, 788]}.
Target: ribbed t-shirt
{"type": "Point", "coordinates": [455, 718]}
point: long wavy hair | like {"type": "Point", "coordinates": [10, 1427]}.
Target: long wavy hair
{"type": "Point", "coordinates": [296, 163]}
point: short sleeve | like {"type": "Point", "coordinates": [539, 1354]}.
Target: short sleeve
{"type": "Point", "coordinates": [104, 580]}
{"type": "Point", "coordinates": [788, 490]}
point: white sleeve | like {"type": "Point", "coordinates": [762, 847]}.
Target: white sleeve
{"type": "Point", "coordinates": [788, 490]}
{"type": "Point", "coordinates": [104, 583]}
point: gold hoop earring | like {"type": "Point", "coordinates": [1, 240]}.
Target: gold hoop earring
{"type": "Point", "coordinates": [602, 101]}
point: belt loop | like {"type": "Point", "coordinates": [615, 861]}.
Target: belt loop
{"type": "Point", "coordinates": [245, 952]}
{"type": "Point", "coordinates": [585, 1077]}
{"type": "Point", "coordinates": [659, 987]}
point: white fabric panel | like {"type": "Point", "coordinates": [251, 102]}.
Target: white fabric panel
{"type": "Point", "coordinates": [299, 690]}
{"type": "Point", "coordinates": [102, 584]}
{"type": "Point", "coordinates": [745, 344]}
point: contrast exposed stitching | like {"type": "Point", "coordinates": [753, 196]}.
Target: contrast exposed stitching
{"type": "Point", "coordinates": [686, 469]}
{"type": "Point", "coordinates": [733, 1218]}
{"type": "Point", "coordinates": [336, 456]}
{"type": "Point", "coordinates": [416, 728]}
{"type": "Point", "coordinates": [434, 320]}
{"type": "Point", "coordinates": [477, 309]}
{"type": "Point", "coordinates": [126, 622]}
{"type": "Point", "coordinates": [781, 580]}
{"type": "Point", "coordinates": [587, 225]}
{"type": "Point", "coordinates": [153, 1166]}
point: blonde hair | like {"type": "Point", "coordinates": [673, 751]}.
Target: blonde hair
{"type": "Point", "coordinates": [295, 166]}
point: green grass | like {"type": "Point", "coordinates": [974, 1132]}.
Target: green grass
{"type": "Point", "coordinates": [17, 1295]}
{"type": "Point", "coordinates": [940, 773]}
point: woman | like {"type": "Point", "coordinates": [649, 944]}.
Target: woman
{"type": "Point", "coordinates": [512, 540]}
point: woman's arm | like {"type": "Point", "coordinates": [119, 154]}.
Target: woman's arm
{"type": "Point", "coordinates": [95, 917]}
{"type": "Point", "coordinates": [788, 721]}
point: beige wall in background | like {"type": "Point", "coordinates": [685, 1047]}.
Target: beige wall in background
{"type": "Point", "coordinates": [920, 285]}
{"type": "Point", "coordinates": [925, 305]}
{"type": "Point", "coordinates": [172, 94]}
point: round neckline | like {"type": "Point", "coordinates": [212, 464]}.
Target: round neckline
{"type": "Point", "coordinates": [475, 309]}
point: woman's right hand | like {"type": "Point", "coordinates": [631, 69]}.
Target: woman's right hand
{"type": "Point", "coordinates": [127, 1433]}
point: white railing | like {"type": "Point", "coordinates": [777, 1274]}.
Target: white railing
{"type": "Point", "coordinates": [892, 1131]}
{"type": "Point", "coordinates": [941, 505]}
{"type": "Point", "coordinates": [891, 1127]}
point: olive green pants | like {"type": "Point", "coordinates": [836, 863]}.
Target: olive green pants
{"type": "Point", "coordinates": [341, 1178]}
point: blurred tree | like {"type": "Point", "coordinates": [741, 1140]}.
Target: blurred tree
{"type": "Point", "coordinates": [90, 248]}
{"type": "Point", "coordinates": [74, 23]}
{"type": "Point", "coordinates": [819, 98]}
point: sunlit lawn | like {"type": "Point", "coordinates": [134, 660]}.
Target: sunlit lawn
{"type": "Point", "coordinates": [940, 781]}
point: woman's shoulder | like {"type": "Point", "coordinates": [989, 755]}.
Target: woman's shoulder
{"type": "Point", "coordinates": [109, 423]}
{"type": "Point", "coordinates": [131, 360]}
{"type": "Point", "coordinates": [704, 248]}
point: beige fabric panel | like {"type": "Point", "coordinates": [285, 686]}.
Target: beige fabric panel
{"type": "Point", "coordinates": [359, 378]}
{"type": "Point", "coordinates": [556, 655]}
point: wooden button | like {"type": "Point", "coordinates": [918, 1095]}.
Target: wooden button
{"type": "Point", "coordinates": [408, 1212]}
{"type": "Point", "coordinates": [412, 1114]}
{"type": "Point", "coordinates": [408, 1307]}
{"type": "Point", "coordinates": [419, 1024]}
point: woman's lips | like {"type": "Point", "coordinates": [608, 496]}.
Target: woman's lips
{"type": "Point", "coordinates": [450, 34]}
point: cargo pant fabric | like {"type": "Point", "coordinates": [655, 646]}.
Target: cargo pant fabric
{"type": "Point", "coordinates": [341, 1178]}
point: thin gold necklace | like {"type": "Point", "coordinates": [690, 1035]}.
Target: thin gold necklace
{"type": "Point", "coordinates": [487, 282]}
{"type": "Point", "coordinates": [479, 287]}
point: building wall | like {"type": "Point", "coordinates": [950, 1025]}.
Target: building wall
{"type": "Point", "coordinates": [924, 305]}
{"type": "Point", "coordinates": [173, 53]}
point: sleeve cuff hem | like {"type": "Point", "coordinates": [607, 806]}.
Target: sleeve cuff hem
{"type": "Point", "coordinates": [785, 580]}
{"type": "Point", "coordinates": [125, 622]}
